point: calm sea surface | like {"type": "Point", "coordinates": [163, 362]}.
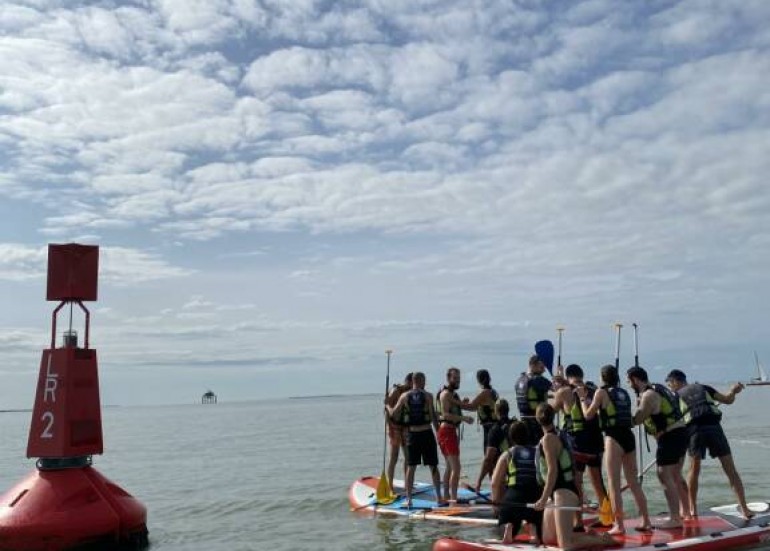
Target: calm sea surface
{"type": "Point", "coordinates": [275, 474]}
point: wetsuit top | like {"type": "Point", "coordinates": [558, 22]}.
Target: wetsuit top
{"type": "Point", "coordinates": [455, 409]}
{"type": "Point", "coordinates": [574, 420]}
{"type": "Point", "coordinates": [486, 413]}
{"type": "Point", "coordinates": [498, 435]}
{"type": "Point", "coordinates": [417, 408]}
{"type": "Point", "coordinates": [667, 415]}
{"type": "Point", "coordinates": [531, 391]}
{"type": "Point", "coordinates": [618, 412]}
{"type": "Point", "coordinates": [566, 475]}
{"type": "Point", "coordinates": [698, 406]}
{"type": "Point", "coordinates": [521, 467]}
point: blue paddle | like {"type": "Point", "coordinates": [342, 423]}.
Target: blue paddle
{"type": "Point", "coordinates": [544, 349]}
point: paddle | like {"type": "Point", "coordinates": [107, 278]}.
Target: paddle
{"type": "Point", "coordinates": [472, 489]}
{"type": "Point", "coordinates": [544, 350]}
{"type": "Point", "coordinates": [647, 468]}
{"type": "Point", "coordinates": [639, 430]}
{"type": "Point", "coordinates": [560, 330]}
{"type": "Point", "coordinates": [384, 493]}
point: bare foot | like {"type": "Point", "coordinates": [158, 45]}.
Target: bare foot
{"type": "Point", "coordinates": [442, 502]}
{"type": "Point", "coordinates": [670, 524]}
{"type": "Point", "coordinates": [644, 528]}
{"type": "Point", "coordinates": [617, 530]}
{"type": "Point", "coordinates": [748, 514]}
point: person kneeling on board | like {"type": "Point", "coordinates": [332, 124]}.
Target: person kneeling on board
{"type": "Point", "coordinates": [514, 485]}
{"type": "Point", "coordinates": [397, 429]}
{"type": "Point", "coordinates": [449, 407]}
{"type": "Point", "coordinates": [498, 441]}
{"type": "Point", "coordinates": [659, 412]}
{"type": "Point", "coordinates": [701, 413]}
{"type": "Point", "coordinates": [556, 473]}
{"type": "Point", "coordinates": [421, 421]}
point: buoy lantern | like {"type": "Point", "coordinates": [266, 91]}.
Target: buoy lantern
{"type": "Point", "coordinates": [66, 504]}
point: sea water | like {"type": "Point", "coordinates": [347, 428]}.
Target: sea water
{"type": "Point", "coordinates": [275, 474]}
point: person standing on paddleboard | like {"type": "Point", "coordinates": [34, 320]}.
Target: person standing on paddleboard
{"type": "Point", "coordinates": [497, 442]}
{"type": "Point", "coordinates": [484, 404]}
{"type": "Point", "coordinates": [449, 407]}
{"type": "Point", "coordinates": [421, 420]}
{"type": "Point", "coordinates": [532, 390]}
{"type": "Point", "coordinates": [659, 412]}
{"type": "Point", "coordinates": [397, 429]}
{"type": "Point", "coordinates": [514, 485]}
{"type": "Point", "coordinates": [587, 438]}
{"type": "Point", "coordinates": [556, 473]}
{"type": "Point", "coordinates": [613, 406]}
{"type": "Point", "coordinates": [701, 413]}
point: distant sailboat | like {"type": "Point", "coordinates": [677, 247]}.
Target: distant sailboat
{"type": "Point", "coordinates": [761, 378]}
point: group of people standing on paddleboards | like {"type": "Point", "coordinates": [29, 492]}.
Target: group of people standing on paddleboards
{"type": "Point", "coordinates": [537, 469]}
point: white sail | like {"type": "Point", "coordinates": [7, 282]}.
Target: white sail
{"type": "Point", "coordinates": [761, 375]}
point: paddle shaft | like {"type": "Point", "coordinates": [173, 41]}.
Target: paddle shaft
{"type": "Point", "coordinates": [387, 387]}
{"type": "Point", "coordinates": [618, 327]}
{"type": "Point", "coordinates": [639, 430]}
{"type": "Point", "coordinates": [641, 474]}
{"type": "Point", "coordinates": [558, 356]}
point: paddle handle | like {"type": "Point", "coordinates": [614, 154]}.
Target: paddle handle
{"type": "Point", "coordinates": [636, 345]}
{"type": "Point", "coordinates": [618, 327]}
{"type": "Point", "coordinates": [560, 330]}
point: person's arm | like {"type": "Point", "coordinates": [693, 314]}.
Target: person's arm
{"type": "Point", "coordinates": [498, 478]}
{"type": "Point", "coordinates": [549, 450]}
{"type": "Point", "coordinates": [559, 399]}
{"type": "Point", "coordinates": [432, 410]}
{"type": "Point", "coordinates": [647, 405]}
{"type": "Point", "coordinates": [591, 407]}
{"type": "Point", "coordinates": [477, 401]}
{"type": "Point", "coordinates": [728, 398]}
{"type": "Point", "coordinates": [395, 410]}
{"type": "Point", "coordinates": [447, 401]}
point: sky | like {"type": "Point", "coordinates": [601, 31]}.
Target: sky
{"type": "Point", "coordinates": [282, 190]}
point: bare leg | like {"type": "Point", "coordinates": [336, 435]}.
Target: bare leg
{"type": "Point", "coordinates": [666, 475]}
{"type": "Point", "coordinates": [487, 466]}
{"type": "Point", "coordinates": [692, 484]}
{"type": "Point", "coordinates": [447, 475]}
{"type": "Point", "coordinates": [409, 483]}
{"type": "Point", "coordinates": [613, 461]}
{"type": "Point", "coordinates": [728, 465]}
{"type": "Point", "coordinates": [436, 482]}
{"type": "Point", "coordinates": [567, 539]}
{"type": "Point", "coordinates": [392, 462]}
{"type": "Point", "coordinates": [595, 473]}
{"type": "Point", "coordinates": [454, 477]}
{"type": "Point", "coordinates": [684, 495]}
{"type": "Point", "coordinates": [631, 473]}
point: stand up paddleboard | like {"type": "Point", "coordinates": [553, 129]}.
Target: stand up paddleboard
{"type": "Point", "coordinates": [472, 509]}
{"type": "Point", "coordinates": [721, 529]}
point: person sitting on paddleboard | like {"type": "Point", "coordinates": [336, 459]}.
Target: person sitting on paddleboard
{"type": "Point", "coordinates": [701, 413]}
{"type": "Point", "coordinates": [449, 407]}
{"type": "Point", "coordinates": [613, 406]}
{"type": "Point", "coordinates": [659, 412]}
{"type": "Point", "coordinates": [397, 429]}
{"type": "Point", "coordinates": [421, 420]}
{"type": "Point", "coordinates": [531, 391]}
{"type": "Point", "coordinates": [556, 473]}
{"type": "Point", "coordinates": [514, 485]}
{"type": "Point", "coordinates": [497, 442]}
{"type": "Point", "coordinates": [587, 438]}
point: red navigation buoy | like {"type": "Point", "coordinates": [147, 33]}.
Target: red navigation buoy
{"type": "Point", "coordinates": [66, 504]}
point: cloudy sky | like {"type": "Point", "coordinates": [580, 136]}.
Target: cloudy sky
{"type": "Point", "coordinates": [284, 189]}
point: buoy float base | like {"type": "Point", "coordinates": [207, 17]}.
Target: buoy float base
{"type": "Point", "coordinates": [69, 509]}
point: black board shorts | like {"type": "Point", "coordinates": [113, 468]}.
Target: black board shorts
{"type": "Point", "coordinates": [707, 437]}
{"type": "Point", "coordinates": [513, 509]}
{"type": "Point", "coordinates": [589, 446]}
{"type": "Point", "coordinates": [672, 446]}
{"type": "Point", "coordinates": [624, 436]}
{"type": "Point", "coordinates": [421, 448]}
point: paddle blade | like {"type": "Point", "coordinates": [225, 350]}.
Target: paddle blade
{"type": "Point", "coordinates": [544, 349]}
{"type": "Point", "coordinates": [384, 495]}
{"type": "Point", "coordinates": [605, 513]}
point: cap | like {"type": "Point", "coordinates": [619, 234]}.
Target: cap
{"type": "Point", "coordinates": [676, 375]}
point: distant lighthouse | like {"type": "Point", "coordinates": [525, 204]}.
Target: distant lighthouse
{"type": "Point", "coordinates": [209, 398]}
{"type": "Point", "coordinates": [65, 503]}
